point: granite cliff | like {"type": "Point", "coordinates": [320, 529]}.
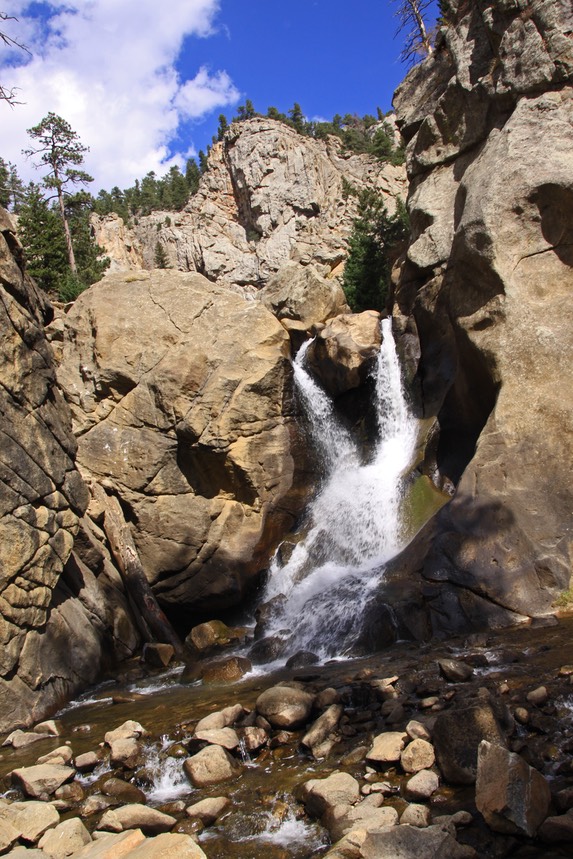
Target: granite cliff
{"type": "Point", "coordinates": [485, 291]}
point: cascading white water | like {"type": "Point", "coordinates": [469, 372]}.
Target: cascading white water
{"type": "Point", "coordinates": [354, 521]}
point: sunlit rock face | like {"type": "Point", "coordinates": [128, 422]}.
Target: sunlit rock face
{"type": "Point", "coordinates": [182, 403]}
{"type": "Point", "coordinates": [53, 610]}
{"type": "Point", "coordinates": [270, 196]}
{"type": "Point", "coordinates": [487, 286]}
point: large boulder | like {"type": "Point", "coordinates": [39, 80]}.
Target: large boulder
{"type": "Point", "coordinates": [486, 287]}
{"type": "Point", "coordinates": [457, 735]}
{"type": "Point", "coordinates": [301, 297]}
{"type": "Point", "coordinates": [284, 706]}
{"type": "Point", "coordinates": [178, 391]}
{"type": "Point", "coordinates": [343, 353]}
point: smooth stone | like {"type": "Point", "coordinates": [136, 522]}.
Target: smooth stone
{"type": "Point", "coordinates": [210, 766]}
{"type": "Point", "coordinates": [209, 810]}
{"type": "Point", "coordinates": [422, 785]}
{"type": "Point", "coordinates": [66, 838]}
{"type": "Point", "coordinates": [285, 707]}
{"type": "Point", "coordinates": [418, 755]}
{"type": "Point", "coordinates": [387, 748]}
{"type": "Point", "coordinates": [416, 815]}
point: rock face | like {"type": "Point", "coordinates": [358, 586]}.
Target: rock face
{"type": "Point", "coordinates": [180, 392]}
{"type": "Point", "coordinates": [487, 288]}
{"type": "Point", "coordinates": [57, 618]}
{"type": "Point", "coordinates": [270, 195]}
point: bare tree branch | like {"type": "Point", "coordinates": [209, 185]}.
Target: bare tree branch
{"type": "Point", "coordinates": [9, 94]}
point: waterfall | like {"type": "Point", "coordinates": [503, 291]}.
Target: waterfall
{"type": "Point", "coordinates": [353, 525]}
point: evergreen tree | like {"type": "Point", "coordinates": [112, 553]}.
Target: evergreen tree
{"type": "Point", "coordinates": [223, 126]}
{"type": "Point", "coordinates": [41, 233]}
{"type": "Point", "coordinates": [372, 248]}
{"type": "Point", "coordinates": [297, 117]}
{"type": "Point", "coordinates": [61, 152]}
{"type": "Point", "coordinates": [161, 259]}
{"type": "Point", "coordinates": [11, 186]}
{"type": "Point", "coordinates": [203, 161]}
{"type": "Point", "coordinates": [192, 176]}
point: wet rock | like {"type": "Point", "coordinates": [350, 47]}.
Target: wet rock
{"type": "Point", "coordinates": [387, 748]}
{"type": "Point", "coordinates": [337, 789]}
{"type": "Point", "coordinates": [71, 794]}
{"type": "Point", "coordinates": [209, 810]}
{"type": "Point", "coordinates": [167, 846]}
{"type": "Point", "coordinates": [564, 799]}
{"type": "Point", "coordinates": [521, 715]}
{"type": "Point", "coordinates": [266, 613]}
{"type": "Point", "coordinates": [126, 753]}
{"type": "Point", "coordinates": [113, 846]}
{"type": "Point", "coordinates": [59, 757]}
{"type": "Point", "coordinates": [49, 726]}
{"type": "Point", "coordinates": [94, 804]}
{"type": "Point", "coordinates": [454, 670]}
{"type": "Point", "coordinates": [88, 761]}
{"type": "Point", "coordinates": [342, 353]}
{"type": "Point", "coordinates": [19, 739]}
{"type": "Point", "coordinates": [267, 649]}
{"type": "Point", "coordinates": [285, 707]}
{"type": "Point", "coordinates": [422, 785]}
{"type": "Point", "coordinates": [417, 731]}
{"type": "Point", "coordinates": [225, 737]}
{"type": "Point", "coordinates": [512, 796]}
{"type": "Point", "coordinates": [136, 816]}
{"type": "Point", "coordinates": [41, 780]}
{"type": "Point", "coordinates": [326, 698]}
{"type": "Point", "coordinates": [123, 791]}
{"type": "Point", "coordinates": [556, 829]}
{"type": "Point", "coordinates": [29, 819]}
{"type": "Point", "coordinates": [212, 635]}
{"type": "Point", "coordinates": [411, 842]}
{"type": "Point", "coordinates": [341, 819]}
{"type": "Point", "coordinates": [418, 755]}
{"type": "Point", "coordinates": [226, 670]}
{"type": "Point", "coordinates": [254, 738]}
{"type": "Point", "coordinates": [158, 655]}
{"type": "Point", "coordinates": [301, 659]}
{"type": "Point", "coordinates": [66, 838]}
{"type": "Point", "coordinates": [416, 815]}
{"type": "Point", "coordinates": [456, 736]}
{"type": "Point", "coordinates": [128, 730]}
{"type": "Point", "coordinates": [538, 696]}
{"type": "Point", "coordinates": [318, 734]}
{"type": "Point", "coordinates": [211, 766]}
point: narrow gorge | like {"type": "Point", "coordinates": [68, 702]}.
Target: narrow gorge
{"type": "Point", "coordinates": [369, 512]}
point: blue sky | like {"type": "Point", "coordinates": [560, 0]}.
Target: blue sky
{"type": "Point", "coordinates": [144, 90]}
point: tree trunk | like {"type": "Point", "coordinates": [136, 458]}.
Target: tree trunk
{"type": "Point", "coordinates": [132, 573]}
{"type": "Point", "coordinates": [69, 245]}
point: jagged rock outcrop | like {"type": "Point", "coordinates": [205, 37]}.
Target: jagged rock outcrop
{"type": "Point", "coordinates": [57, 618]}
{"type": "Point", "coordinates": [270, 195]}
{"type": "Point", "coordinates": [487, 287]}
{"type": "Point", "coordinates": [181, 396]}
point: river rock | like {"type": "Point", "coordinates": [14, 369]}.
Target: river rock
{"type": "Point", "coordinates": [42, 780]}
{"type": "Point", "coordinates": [167, 846]}
{"type": "Point", "coordinates": [411, 842]}
{"type": "Point", "coordinates": [285, 707]}
{"type": "Point", "coordinates": [62, 756]}
{"type": "Point", "coordinates": [209, 810]}
{"type": "Point", "coordinates": [387, 748]}
{"type": "Point", "coordinates": [181, 412]}
{"type": "Point", "coordinates": [319, 732]}
{"type": "Point", "coordinates": [422, 785]}
{"type": "Point", "coordinates": [418, 755]}
{"type": "Point", "coordinates": [112, 846]}
{"type": "Point", "coordinates": [124, 791]}
{"type": "Point", "coordinates": [226, 670]}
{"type": "Point", "coordinates": [254, 738]}
{"type": "Point", "coordinates": [88, 761]}
{"type": "Point", "coordinates": [512, 796]}
{"type": "Point", "coordinates": [128, 730]}
{"type": "Point", "coordinates": [557, 828]}
{"type": "Point", "coordinates": [126, 753]}
{"type": "Point", "coordinates": [417, 731]}
{"type": "Point", "coordinates": [50, 726]}
{"type": "Point", "coordinates": [29, 819]}
{"type": "Point", "coordinates": [342, 354]}
{"type": "Point", "coordinates": [158, 655]}
{"type": "Point", "coordinates": [341, 819]}
{"type": "Point", "coordinates": [225, 737]}
{"type": "Point", "coordinates": [137, 816]}
{"type": "Point", "coordinates": [96, 803]}
{"type": "Point", "coordinates": [19, 739]}
{"type": "Point", "coordinates": [538, 696]}
{"type": "Point", "coordinates": [66, 838]}
{"type": "Point", "coordinates": [456, 736]}
{"type": "Point", "coordinates": [454, 670]}
{"type": "Point", "coordinates": [416, 815]}
{"type": "Point", "coordinates": [338, 789]}
{"type": "Point", "coordinates": [211, 635]}
{"type": "Point", "coordinates": [211, 765]}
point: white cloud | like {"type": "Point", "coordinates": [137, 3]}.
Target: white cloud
{"type": "Point", "coordinates": [108, 68]}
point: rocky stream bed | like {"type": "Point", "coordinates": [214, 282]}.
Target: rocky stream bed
{"type": "Point", "coordinates": [375, 757]}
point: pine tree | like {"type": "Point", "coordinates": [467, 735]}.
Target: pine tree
{"type": "Point", "coordinates": [41, 233]}
{"type": "Point", "coordinates": [192, 176]}
{"type": "Point", "coordinates": [61, 151]}
{"type": "Point", "coordinates": [161, 259]}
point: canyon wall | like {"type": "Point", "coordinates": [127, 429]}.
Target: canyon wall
{"type": "Point", "coordinates": [59, 621]}
{"type": "Point", "coordinates": [486, 290]}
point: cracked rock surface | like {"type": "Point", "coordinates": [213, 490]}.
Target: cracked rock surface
{"type": "Point", "coordinates": [182, 403]}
